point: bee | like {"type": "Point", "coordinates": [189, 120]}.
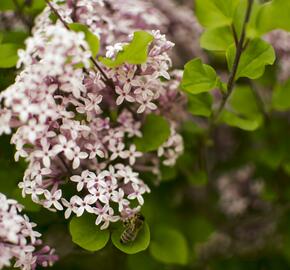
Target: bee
{"type": "Point", "coordinates": [132, 227]}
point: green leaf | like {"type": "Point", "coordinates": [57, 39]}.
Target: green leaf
{"type": "Point", "coordinates": [168, 173]}
{"type": "Point", "coordinates": [200, 229]}
{"type": "Point", "coordinates": [86, 234]}
{"type": "Point", "coordinates": [254, 58]}
{"type": "Point", "coordinates": [1, 37]}
{"type": "Point", "coordinates": [155, 132]}
{"type": "Point", "coordinates": [200, 104]}
{"type": "Point", "coordinates": [242, 111]}
{"type": "Point", "coordinates": [214, 13]}
{"type": "Point", "coordinates": [274, 15]}
{"type": "Point", "coordinates": [217, 39]}
{"type": "Point", "coordinates": [198, 77]}
{"type": "Point", "coordinates": [6, 5]}
{"type": "Point", "coordinates": [133, 53]}
{"type": "Point", "coordinates": [17, 37]}
{"type": "Point", "coordinates": [36, 5]}
{"type": "Point", "coordinates": [235, 120]}
{"type": "Point", "coordinates": [139, 244]}
{"type": "Point", "coordinates": [168, 246]}
{"type": "Point", "coordinates": [8, 55]}
{"type": "Point", "coordinates": [198, 178]}
{"type": "Point", "coordinates": [281, 97]}
{"type": "Point", "coordinates": [239, 18]}
{"type": "Point", "coordinates": [92, 40]}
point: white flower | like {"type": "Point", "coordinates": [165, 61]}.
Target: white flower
{"type": "Point", "coordinates": [19, 240]}
{"type": "Point", "coordinates": [132, 154]}
{"type": "Point", "coordinates": [45, 153]}
{"type": "Point", "coordinates": [81, 180]}
{"type": "Point", "coordinates": [52, 199]}
{"type": "Point", "coordinates": [124, 94]}
{"type": "Point", "coordinates": [137, 194]}
{"type": "Point", "coordinates": [76, 156]}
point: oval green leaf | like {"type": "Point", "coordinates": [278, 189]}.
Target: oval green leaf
{"type": "Point", "coordinates": [155, 132]}
{"type": "Point", "coordinates": [198, 77]}
{"type": "Point", "coordinates": [200, 104]}
{"type": "Point", "coordinates": [140, 243]}
{"type": "Point", "coordinates": [217, 39]}
{"type": "Point", "coordinates": [214, 13]}
{"type": "Point", "coordinates": [169, 246]}
{"type": "Point", "coordinates": [8, 55]}
{"type": "Point", "coordinates": [134, 53]}
{"type": "Point", "coordinates": [86, 234]}
{"type": "Point", "coordinates": [254, 59]}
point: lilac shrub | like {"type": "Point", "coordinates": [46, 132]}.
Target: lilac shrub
{"type": "Point", "coordinates": [19, 241]}
{"type": "Point", "coordinates": [76, 125]}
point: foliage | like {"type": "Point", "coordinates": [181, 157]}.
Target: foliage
{"type": "Point", "coordinates": [225, 203]}
{"type": "Point", "coordinates": [156, 131]}
{"type": "Point", "coordinates": [85, 233]}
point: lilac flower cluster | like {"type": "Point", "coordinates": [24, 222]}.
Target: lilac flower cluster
{"type": "Point", "coordinates": [77, 131]}
{"type": "Point", "coordinates": [238, 193]}
{"type": "Point", "coordinates": [19, 240]}
{"type": "Point", "coordinates": [113, 21]}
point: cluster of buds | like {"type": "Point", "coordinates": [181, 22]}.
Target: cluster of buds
{"type": "Point", "coordinates": [76, 129]}
{"type": "Point", "coordinates": [19, 241]}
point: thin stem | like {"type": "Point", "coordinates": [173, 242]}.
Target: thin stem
{"type": "Point", "coordinates": [259, 101]}
{"type": "Point", "coordinates": [74, 10]}
{"type": "Point", "coordinates": [104, 75]}
{"type": "Point", "coordinates": [235, 35]}
{"type": "Point", "coordinates": [239, 50]}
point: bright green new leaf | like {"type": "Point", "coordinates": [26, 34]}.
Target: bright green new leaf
{"type": "Point", "coordinates": [274, 15]}
{"type": "Point", "coordinates": [141, 242]}
{"type": "Point", "coordinates": [87, 234]}
{"type": "Point", "coordinates": [92, 40]}
{"type": "Point", "coordinates": [134, 53]}
{"type": "Point", "coordinates": [8, 55]}
{"type": "Point", "coordinates": [155, 132]}
{"type": "Point", "coordinates": [198, 77]}
{"type": "Point", "coordinates": [217, 39]}
{"type": "Point", "coordinates": [254, 58]}
{"type": "Point", "coordinates": [200, 104]}
{"type": "Point", "coordinates": [242, 111]}
{"type": "Point", "coordinates": [6, 5]}
{"type": "Point", "coordinates": [168, 246]}
{"type": "Point", "coordinates": [281, 97]}
{"type": "Point", "coordinates": [16, 37]}
{"type": "Point", "coordinates": [214, 13]}
{"type": "Point", "coordinates": [234, 120]}
{"type": "Point", "coordinates": [36, 5]}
